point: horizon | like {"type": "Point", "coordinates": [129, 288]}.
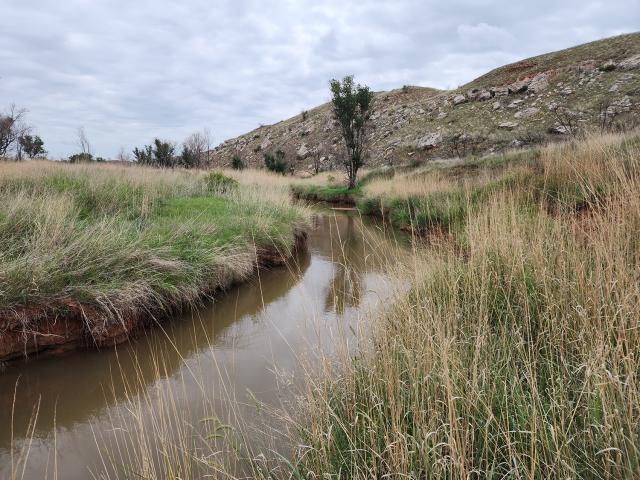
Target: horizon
{"type": "Point", "coordinates": [130, 73]}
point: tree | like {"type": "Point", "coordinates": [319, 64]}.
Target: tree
{"type": "Point", "coordinates": [197, 144]}
{"type": "Point", "coordinates": [83, 142]}
{"type": "Point", "coordinates": [352, 108]}
{"type": "Point", "coordinates": [144, 155]}
{"type": "Point", "coordinates": [189, 158]}
{"type": "Point", "coordinates": [10, 128]}
{"type": "Point", "coordinates": [80, 157]}
{"type": "Point", "coordinates": [32, 145]}
{"type": "Point", "coordinates": [163, 152]}
{"type": "Point", "coordinates": [123, 155]}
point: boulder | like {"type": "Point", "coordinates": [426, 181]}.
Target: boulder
{"type": "Point", "coordinates": [560, 129]}
{"type": "Point", "coordinates": [484, 95]}
{"type": "Point", "coordinates": [496, 105]}
{"type": "Point", "coordinates": [430, 140]}
{"type": "Point", "coordinates": [527, 112]}
{"type": "Point", "coordinates": [499, 91]}
{"type": "Point", "coordinates": [458, 99]}
{"type": "Point", "coordinates": [539, 83]}
{"type": "Point", "coordinates": [508, 125]}
{"type": "Point", "coordinates": [303, 152]}
{"type": "Point", "coordinates": [519, 86]}
{"type": "Point", "coordinates": [630, 63]}
{"type": "Point", "coordinates": [515, 103]}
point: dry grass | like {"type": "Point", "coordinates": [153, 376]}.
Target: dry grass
{"type": "Point", "coordinates": [516, 356]}
{"type": "Point", "coordinates": [121, 240]}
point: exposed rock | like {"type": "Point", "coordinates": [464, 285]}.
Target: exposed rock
{"type": "Point", "coordinates": [458, 99]}
{"type": "Point", "coordinates": [515, 103]}
{"type": "Point", "coordinates": [473, 93]}
{"type": "Point", "coordinates": [630, 63]}
{"type": "Point", "coordinates": [619, 106]}
{"type": "Point", "coordinates": [303, 152]}
{"type": "Point", "coordinates": [508, 125]}
{"type": "Point", "coordinates": [441, 115]}
{"type": "Point", "coordinates": [539, 83]}
{"type": "Point", "coordinates": [608, 66]}
{"type": "Point", "coordinates": [265, 144]}
{"type": "Point", "coordinates": [431, 140]}
{"type": "Point", "coordinates": [567, 91]}
{"type": "Point", "coordinates": [485, 95]}
{"type": "Point", "coordinates": [560, 129]}
{"type": "Point", "coordinates": [496, 105]}
{"type": "Point", "coordinates": [519, 86]}
{"type": "Point", "coordinates": [499, 91]}
{"type": "Point", "coordinates": [527, 112]}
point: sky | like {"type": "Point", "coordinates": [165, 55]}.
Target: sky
{"type": "Point", "coordinates": [128, 71]}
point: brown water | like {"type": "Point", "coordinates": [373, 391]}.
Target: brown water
{"type": "Point", "coordinates": [245, 348]}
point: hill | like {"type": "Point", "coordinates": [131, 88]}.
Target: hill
{"type": "Point", "coordinates": [594, 86]}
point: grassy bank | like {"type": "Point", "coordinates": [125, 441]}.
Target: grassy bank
{"type": "Point", "coordinates": [516, 354]}
{"type": "Point", "coordinates": [124, 241]}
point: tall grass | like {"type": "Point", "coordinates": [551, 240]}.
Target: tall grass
{"type": "Point", "coordinates": [517, 352]}
{"type": "Point", "coordinates": [129, 240]}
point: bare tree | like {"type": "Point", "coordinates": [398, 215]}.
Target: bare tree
{"type": "Point", "coordinates": [197, 144]}
{"type": "Point", "coordinates": [10, 128]}
{"type": "Point", "coordinates": [123, 155]}
{"type": "Point", "coordinates": [83, 142]}
{"type": "Point", "coordinates": [207, 135]}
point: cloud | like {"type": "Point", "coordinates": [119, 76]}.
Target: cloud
{"type": "Point", "coordinates": [130, 71]}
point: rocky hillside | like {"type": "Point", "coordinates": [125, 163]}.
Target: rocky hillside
{"type": "Point", "coordinates": [595, 86]}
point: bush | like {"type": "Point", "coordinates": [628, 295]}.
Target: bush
{"type": "Point", "coordinates": [81, 157]}
{"type": "Point", "coordinates": [218, 182]}
{"type": "Point", "coordinates": [237, 163]}
{"type": "Point", "coordinates": [276, 162]}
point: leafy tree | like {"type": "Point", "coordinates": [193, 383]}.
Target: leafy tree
{"type": "Point", "coordinates": [189, 158]}
{"type": "Point", "coordinates": [32, 145]}
{"type": "Point", "coordinates": [352, 108]}
{"type": "Point", "coordinates": [276, 162]}
{"type": "Point", "coordinates": [237, 163]}
{"type": "Point", "coordinates": [163, 153]}
{"type": "Point", "coordinates": [81, 157]}
{"type": "Point", "coordinates": [144, 155]}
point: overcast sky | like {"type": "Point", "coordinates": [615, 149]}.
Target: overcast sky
{"type": "Point", "coordinates": [131, 70]}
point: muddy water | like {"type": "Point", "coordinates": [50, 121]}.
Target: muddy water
{"type": "Point", "coordinates": [65, 417]}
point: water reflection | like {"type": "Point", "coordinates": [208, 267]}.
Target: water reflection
{"type": "Point", "coordinates": [223, 350]}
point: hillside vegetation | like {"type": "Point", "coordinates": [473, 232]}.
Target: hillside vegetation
{"type": "Point", "coordinates": [595, 86]}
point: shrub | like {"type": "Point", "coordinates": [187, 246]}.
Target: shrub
{"type": "Point", "coordinates": [218, 182]}
{"type": "Point", "coordinates": [237, 163]}
{"type": "Point", "coordinates": [80, 157]}
{"type": "Point", "coordinates": [276, 162]}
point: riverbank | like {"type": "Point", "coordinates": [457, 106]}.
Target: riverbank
{"type": "Point", "coordinates": [517, 350]}
{"type": "Point", "coordinates": [91, 253]}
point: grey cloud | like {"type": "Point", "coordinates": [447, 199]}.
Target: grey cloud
{"type": "Point", "coordinates": [129, 71]}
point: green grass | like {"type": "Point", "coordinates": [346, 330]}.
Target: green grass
{"type": "Point", "coordinates": [327, 194]}
{"type": "Point", "coordinates": [120, 240]}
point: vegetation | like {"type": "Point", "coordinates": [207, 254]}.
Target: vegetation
{"type": "Point", "coordinates": [32, 145]}
{"type": "Point", "coordinates": [517, 351]}
{"type": "Point", "coordinates": [276, 162]}
{"type": "Point", "coordinates": [122, 240]}
{"type": "Point", "coordinates": [237, 163]}
{"type": "Point", "coordinates": [352, 108]}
